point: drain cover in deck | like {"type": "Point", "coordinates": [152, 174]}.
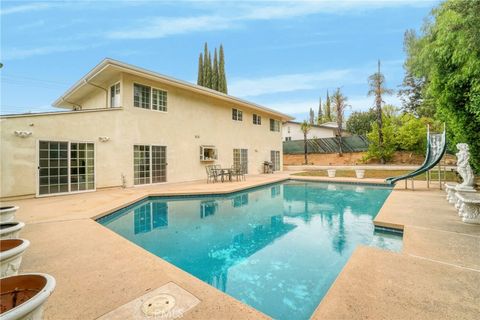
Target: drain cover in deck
{"type": "Point", "coordinates": [158, 305]}
{"type": "Point", "coordinates": [169, 301]}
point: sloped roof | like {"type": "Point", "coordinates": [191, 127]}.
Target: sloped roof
{"type": "Point", "coordinates": [64, 101]}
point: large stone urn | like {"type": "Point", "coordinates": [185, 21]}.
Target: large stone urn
{"type": "Point", "coordinates": [11, 251]}
{"type": "Point", "coordinates": [7, 213]}
{"type": "Point", "coordinates": [23, 296]}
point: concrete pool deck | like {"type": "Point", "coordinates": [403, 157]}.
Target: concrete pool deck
{"type": "Point", "coordinates": [437, 275]}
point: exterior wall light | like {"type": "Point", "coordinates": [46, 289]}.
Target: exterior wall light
{"type": "Point", "coordinates": [22, 134]}
{"type": "Point", "coordinates": [104, 139]}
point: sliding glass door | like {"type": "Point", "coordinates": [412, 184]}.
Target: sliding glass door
{"type": "Point", "coordinates": [275, 159]}
{"type": "Point", "coordinates": [240, 158]}
{"type": "Point", "coordinates": [65, 167]}
{"type": "Point", "coordinates": [149, 164]}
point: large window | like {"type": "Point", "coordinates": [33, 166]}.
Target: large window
{"type": "Point", "coordinates": [65, 167]}
{"type": "Point", "coordinates": [149, 98]}
{"type": "Point", "coordinates": [240, 158]}
{"type": "Point", "coordinates": [115, 95]}
{"type": "Point", "coordinates": [274, 125]}
{"type": "Point", "coordinates": [237, 115]}
{"type": "Point", "coordinates": [149, 164]}
{"type": "Point", "coordinates": [257, 119]}
{"type": "Point", "coordinates": [275, 159]}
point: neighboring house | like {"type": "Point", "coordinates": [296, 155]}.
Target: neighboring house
{"type": "Point", "coordinates": [292, 131]}
{"type": "Point", "coordinates": [127, 126]}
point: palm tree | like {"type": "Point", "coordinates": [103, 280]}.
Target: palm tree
{"type": "Point", "coordinates": [339, 104]}
{"type": "Point", "coordinates": [305, 127]}
{"type": "Point", "coordinates": [377, 88]}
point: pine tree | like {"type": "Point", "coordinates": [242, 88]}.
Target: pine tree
{"type": "Point", "coordinates": [222, 78]}
{"type": "Point", "coordinates": [215, 74]}
{"type": "Point", "coordinates": [200, 70]}
{"type": "Point", "coordinates": [320, 115]}
{"type": "Point", "coordinates": [328, 112]}
{"type": "Point", "coordinates": [312, 116]}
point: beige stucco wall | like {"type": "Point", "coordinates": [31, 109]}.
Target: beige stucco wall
{"type": "Point", "coordinates": [192, 120]}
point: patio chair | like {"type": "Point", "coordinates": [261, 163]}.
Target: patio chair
{"type": "Point", "coordinates": [212, 173]}
{"type": "Point", "coordinates": [239, 171]}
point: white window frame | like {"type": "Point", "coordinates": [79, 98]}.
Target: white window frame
{"type": "Point", "coordinates": [276, 125]}
{"type": "Point", "coordinates": [119, 101]}
{"type": "Point", "coordinates": [150, 103]}
{"type": "Point", "coordinates": [69, 142]}
{"type": "Point", "coordinates": [237, 115]}
{"type": "Point", "coordinates": [257, 119]}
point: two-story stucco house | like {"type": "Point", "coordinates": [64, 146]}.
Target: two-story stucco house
{"type": "Point", "coordinates": [127, 126]}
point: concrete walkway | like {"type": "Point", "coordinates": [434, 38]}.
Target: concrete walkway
{"type": "Point", "coordinates": [437, 275]}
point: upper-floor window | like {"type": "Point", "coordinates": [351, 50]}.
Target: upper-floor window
{"type": "Point", "coordinates": [274, 125]}
{"type": "Point", "coordinates": [288, 138]}
{"type": "Point", "coordinates": [237, 115]}
{"type": "Point", "coordinates": [115, 95]}
{"type": "Point", "coordinates": [149, 98]}
{"type": "Point", "coordinates": [257, 119]}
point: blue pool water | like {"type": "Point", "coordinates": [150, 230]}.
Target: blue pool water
{"type": "Point", "coordinates": [277, 248]}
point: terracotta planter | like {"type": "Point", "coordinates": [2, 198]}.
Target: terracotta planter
{"type": "Point", "coordinates": [7, 213]}
{"type": "Point", "coordinates": [331, 173]}
{"type": "Point", "coordinates": [23, 295]}
{"type": "Point", "coordinates": [360, 173]}
{"type": "Point", "coordinates": [10, 230]}
{"type": "Point", "coordinates": [11, 251]}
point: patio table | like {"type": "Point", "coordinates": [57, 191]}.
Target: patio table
{"type": "Point", "coordinates": [224, 171]}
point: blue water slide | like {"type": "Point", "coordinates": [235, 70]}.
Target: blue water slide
{"type": "Point", "coordinates": [436, 147]}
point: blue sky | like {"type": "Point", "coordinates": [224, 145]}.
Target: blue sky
{"type": "Point", "coordinates": [280, 54]}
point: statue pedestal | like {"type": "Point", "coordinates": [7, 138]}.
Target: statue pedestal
{"type": "Point", "coordinates": [469, 207]}
{"type": "Point", "coordinates": [450, 189]}
{"type": "Point", "coordinates": [461, 188]}
{"type": "Point", "coordinates": [458, 200]}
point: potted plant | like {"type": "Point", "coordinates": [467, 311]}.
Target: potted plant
{"type": "Point", "coordinates": [7, 213]}
{"type": "Point", "coordinates": [331, 173]}
{"type": "Point", "coordinates": [11, 251]}
{"type": "Point", "coordinates": [23, 296]}
{"type": "Point", "coordinates": [360, 173]}
{"type": "Point", "coordinates": [10, 230]}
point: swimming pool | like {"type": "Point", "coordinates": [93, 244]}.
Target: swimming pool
{"type": "Point", "coordinates": [277, 248]}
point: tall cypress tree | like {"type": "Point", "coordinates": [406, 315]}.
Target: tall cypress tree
{"type": "Point", "coordinates": [328, 111]}
{"type": "Point", "coordinates": [320, 114]}
{"type": "Point", "coordinates": [222, 79]}
{"type": "Point", "coordinates": [215, 73]}
{"type": "Point", "coordinates": [200, 70]}
{"type": "Point", "coordinates": [207, 67]}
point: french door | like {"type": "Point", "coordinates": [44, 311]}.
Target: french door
{"type": "Point", "coordinates": [240, 158]}
{"type": "Point", "coordinates": [275, 159]}
{"type": "Point", "coordinates": [65, 167]}
{"type": "Point", "coordinates": [149, 164]}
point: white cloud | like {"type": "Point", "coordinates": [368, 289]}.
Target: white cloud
{"type": "Point", "coordinates": [21, 53]}
{"type": "Point", "coordinates": [160, 27]}
{"type": "Point", "coordinates": [24, 8]}
{"type": "Point", "coordinates": [248, 87]}
{"type": "Point", "coordinates": [232, 15]}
